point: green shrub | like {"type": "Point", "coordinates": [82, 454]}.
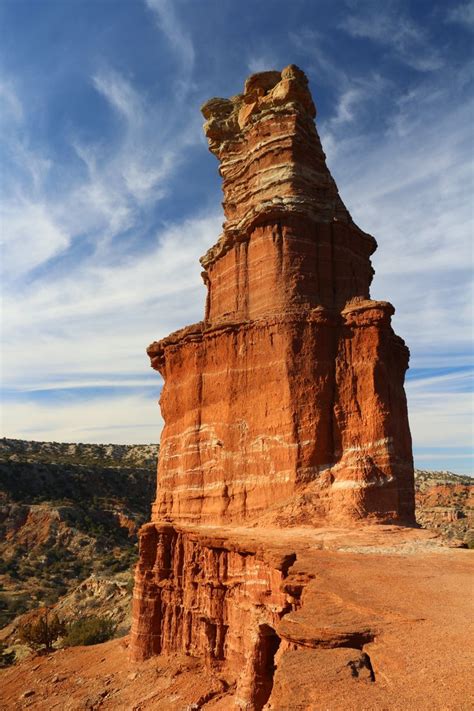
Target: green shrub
{"type": "Point", "coordinates": [130, 583]}
{"type": "Point", "coordinates": [89, 630]}
{"type": "Point", "coordinates": [11, 606]}
{"type": "Point", "coordinates": [6, 658]}
{"type": "Point", "coordinates": [42, 630]}
{"type": "Point", "coordinates": [470, 542]}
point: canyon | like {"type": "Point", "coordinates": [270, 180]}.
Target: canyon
{"type": "Point", "coordinates": [69, 517]}
{"type": "Point", "coordinates": [51, 552]}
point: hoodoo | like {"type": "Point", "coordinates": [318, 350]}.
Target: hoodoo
{"type": "Point", "coordinates": [294, 379]}
{"type": "Point", "coordinates": [285, 406]}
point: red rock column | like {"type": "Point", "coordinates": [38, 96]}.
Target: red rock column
{"type": "Point", "coordinates": [286, 404]}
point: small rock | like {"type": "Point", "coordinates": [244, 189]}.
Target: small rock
{"type": "Point", "coordinates": [28, 693]}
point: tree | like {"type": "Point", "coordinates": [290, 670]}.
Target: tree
{"type": "Point", "coordinates": [6, 658]}
{"type": "Point", "coordinates": [89, 630]}
{"type": "Point", "coordinates": [42, 630]}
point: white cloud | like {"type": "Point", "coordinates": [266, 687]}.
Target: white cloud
{"type": "Point", "coordinates": [357, 95]}
{"type": "Point", "coordinates": [122, 420]}
{"type": "Point", "coordinates": [179, 39]}
{"type": "Point", "coordinates": [172, 28]}
{"type": "Point", "coordinates": [411, 188]}
{"type": "Point", "coordinates": [103, 317]}
{"type": "Point", "coordinates": [261, 63]}
{"type": "Point", "coordinates": [439, 418]}
{"type": "Point", "coordinates": [320, 63]}
{"type": "Point", "coordinates": [30, 236]}
{"type": "Point", "coordinates": [10, 106]}
{"type": "Point", "coordinates": [345, 108]}
{"type": "Point", "coordinates": [32, 164]}
{"type": "Point", "coordinates": [462, 14]}
{"type": "Point", "coordinates": [386, 24]}
{"type": "Point", "coordinates": [121, 95]}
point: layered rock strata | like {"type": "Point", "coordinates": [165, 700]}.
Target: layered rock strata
{"type": "Point", "coordinates": [284, 406]}
{"type": "Point", "coordinates": [212, 598]}
{"type": "Point", "coordinates": [294, 378]}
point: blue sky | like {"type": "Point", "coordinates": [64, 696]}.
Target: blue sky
{"type": "Point", "coordinates": [109, 194]}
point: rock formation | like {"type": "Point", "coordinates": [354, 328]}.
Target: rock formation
{"type": "Point", "coordinates": [295, 377]}
{"type": "Point", "coordinates": [284, 406]}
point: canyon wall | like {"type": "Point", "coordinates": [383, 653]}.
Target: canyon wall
{"type": "Point", "coordinates": [235, 601]}
{"type": "Point", "coordinates": [210, 598]}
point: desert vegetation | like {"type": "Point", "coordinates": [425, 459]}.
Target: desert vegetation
{"type": "Point", "coordinates": [69, 516]}
{"type": "Point", "coordinates": [68, 512]}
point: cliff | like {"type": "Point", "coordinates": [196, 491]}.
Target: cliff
{"type": "Point", "coordinates": [445, 504]}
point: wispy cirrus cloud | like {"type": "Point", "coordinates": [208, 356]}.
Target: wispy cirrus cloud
{"type": "Point", "coordinates": [97, 324]}
{"type": "Point", "coordinates": [441, 409]}
{"type": "Point", "coordinates": [121, 95]}
{"type": "Point", "coordinates": [10, 105]}
{"type": "Point", "coordinates": [111, 196]}
{"type": "Point", "coordinates": [320, 52]}
{"type": "Point", "coordinates": [179, 38]}
{"type": "Point", "coordinates": [30, 232]}
{"type": "Point", "coordinates": [126, 418]}
{"type": "Point", "coordinates": [413, 194]}
{"type": "Point", "coordinates": [30, 236]}
{"type": "Point", "coordinates": [462, 14]}
{"type": "Point", "coordinates": [261, 62]}
{"type": "Point", "coordinates": [390, 26]}
{"type": "Point", "coordinates": [122, 179]}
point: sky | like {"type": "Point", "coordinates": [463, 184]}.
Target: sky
{"type": "Point", "coordinates": [109, 195]}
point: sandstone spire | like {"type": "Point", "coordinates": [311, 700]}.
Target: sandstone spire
{"type": "Point", "coordinates": [287, 399]}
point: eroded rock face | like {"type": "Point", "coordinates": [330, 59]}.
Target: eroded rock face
{"type": "Point", "coordinates": [294, 380]}
{"type": "Point", "coordinates": [283, 407]}
{"type": "Point", "coordinates": [209, 598]}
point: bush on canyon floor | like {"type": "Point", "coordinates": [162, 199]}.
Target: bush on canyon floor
{"type": "Point", "coordinates": [89, 630]}
{"type": "Point", "coordinates": [42, 630]}
{"type": "Point", "coordinates": [6, 658]}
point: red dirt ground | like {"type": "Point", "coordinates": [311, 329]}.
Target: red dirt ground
{"type": "Point", "coordinates": [411, 597]}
